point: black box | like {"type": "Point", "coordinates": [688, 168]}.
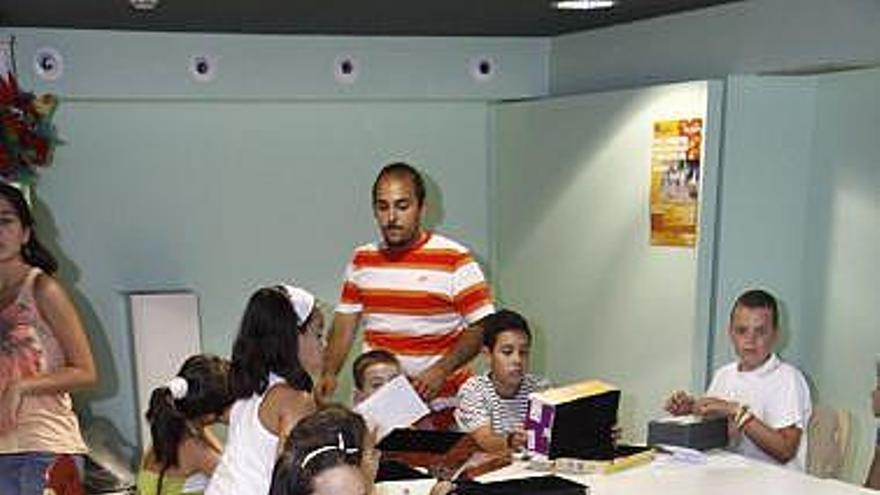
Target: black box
{"type": "Point", "coordinates": [538, 485]}
{"type": "Point", "coordinates": [689, 431]}
{"type": "Point", "coordinates": [575, 421]}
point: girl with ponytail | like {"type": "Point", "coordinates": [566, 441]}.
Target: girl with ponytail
{"type": "Point", "coordinates": [180, 412]}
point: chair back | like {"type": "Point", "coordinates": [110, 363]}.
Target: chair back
{"type": "Point", "coordinates": [827, 437]}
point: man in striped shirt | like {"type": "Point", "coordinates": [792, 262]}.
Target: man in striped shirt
{"type": "Point", "coordinates": [417, 294]}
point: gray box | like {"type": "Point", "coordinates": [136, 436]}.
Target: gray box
{"type": "Point", "coordinates": [689, 431]}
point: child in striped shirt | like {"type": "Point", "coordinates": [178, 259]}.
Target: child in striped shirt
{"type": "Point", "coordinates": [492, 407]}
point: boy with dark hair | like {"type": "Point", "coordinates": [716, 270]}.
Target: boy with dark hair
{"type": "Point", "coordinates": [766, 401]}
{"type": "Point", "coordinates": [492, 407]}
{"type": "Point", "coordinates": [371, 370]}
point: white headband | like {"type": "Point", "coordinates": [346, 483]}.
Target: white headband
{"type": "Point", "coordinates": [302, 300]}
{"type": "Point", "coordinates": [340, 446]}
{"type": "Point", "coordinates": [178, 387]}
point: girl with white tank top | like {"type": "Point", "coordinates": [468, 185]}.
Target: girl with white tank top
{"type": "Point", "coordinates": [279, 345]}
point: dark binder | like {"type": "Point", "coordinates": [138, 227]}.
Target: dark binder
{"type": "Point", "coordinates": [539, 485]}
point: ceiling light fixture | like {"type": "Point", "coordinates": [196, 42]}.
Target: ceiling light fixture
{"type": "Point", "coordinates": [583, 4]}
{"type": "Point", "coordinates": [143, 4]}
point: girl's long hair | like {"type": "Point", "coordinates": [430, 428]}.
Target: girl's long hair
{"type": "Point", "coordinates": [267, 342]}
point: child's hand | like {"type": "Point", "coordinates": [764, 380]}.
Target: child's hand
{"type": "Point", "coordinates": [325, 387]}
{"type": "Point", "coordinates": [516, 441]}
{"type": "Point", "coordinates": [679, 403]}
{"type": "Point", "coordinates": [712, 406]}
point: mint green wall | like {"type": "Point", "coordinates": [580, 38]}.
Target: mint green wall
{"type": "Point", "coordinates": [842, 245]}
{"type": "Point", "coordinates": [763, 199]}
{"type": "Point", "coordinates": [800, 214]}
{"type": "Point", "coordinates": [222, 197]}
{"type": "Point", "coordinates": [752, 37]}
{"type": "Point", "coordinates": [260, 176]}
{"type": "Point", "coordinates": [571, 231]}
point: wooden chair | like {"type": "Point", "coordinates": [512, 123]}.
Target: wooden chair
{"type": "Point", "coordinates": [827, 437]}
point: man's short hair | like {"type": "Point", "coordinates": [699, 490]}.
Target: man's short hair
{"type": "Point", "coordinates": [402, 169]}
{"type": "Point", "coordinates": [501, 321]}
{"type": "Point", "coordinates": [756, 299]}
{"type": "Point", "coordinates": [367, 359]}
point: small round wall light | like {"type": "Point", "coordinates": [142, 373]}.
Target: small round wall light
{"type": "Point", "coordinates": [345, 69]}
{"type": "Point", "coordinates": [482, 69]}
{"type": "Point", "coordinates": [203, 68]}
{"type": "Point", "coordinates": [48, 64]}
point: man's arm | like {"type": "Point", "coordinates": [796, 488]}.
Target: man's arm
{"type": "Point", "coordinates": [338, 345]}
{"type": "Point", "coordinates": [429, 381]}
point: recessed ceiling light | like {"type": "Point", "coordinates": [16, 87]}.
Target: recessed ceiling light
{"type": "Point", "coordinates": [143, 4]}
{"type": "Point", "coordinates": [583, 4]}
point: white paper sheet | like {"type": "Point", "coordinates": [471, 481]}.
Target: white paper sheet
{"type": "Point", "coordinates": [395, 405]}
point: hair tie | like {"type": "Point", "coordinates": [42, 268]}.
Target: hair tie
{"type": "Point", "coordinates": [178, 387]}
{"type": "Point", "coordinates": [303, 302]}
{"type": "Point", "coordinates": [340, 446]}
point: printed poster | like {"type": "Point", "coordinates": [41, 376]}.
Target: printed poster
{"type": "Point", "coordinates": [676, 152]}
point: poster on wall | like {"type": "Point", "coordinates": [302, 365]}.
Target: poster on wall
{"type": "Point", "coordinates": [676, 152]}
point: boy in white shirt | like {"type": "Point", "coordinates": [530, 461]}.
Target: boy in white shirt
{"type": "Point", "coordinates": [766, 401]}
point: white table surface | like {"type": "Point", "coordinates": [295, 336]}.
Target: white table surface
{"type": "Point", "coordinates": [723, 474]}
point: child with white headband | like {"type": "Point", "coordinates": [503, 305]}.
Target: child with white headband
{"type": "Point", "coordinates": [326, 452]}
{"type": "Point", "coordinates": [331, 452]}
{"type": "Point", "coordinates": [278, 349]}
{"type": "Point", "coordinates": [179, 415]}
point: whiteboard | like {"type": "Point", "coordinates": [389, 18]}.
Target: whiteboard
{"type": "Point", "coordinates": [165, 331]}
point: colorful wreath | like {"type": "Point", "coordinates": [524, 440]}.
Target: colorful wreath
{"type": "Point", "coordinates": [27, 136]}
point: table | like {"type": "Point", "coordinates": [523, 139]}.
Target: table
{"type": "Point", "coordinates": [723, 473]}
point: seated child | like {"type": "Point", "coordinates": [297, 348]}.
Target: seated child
{"type": "Point", "coordinates": [766, 401]}
{"type": "Point", "coordinates": [873, 481]}
{"type": "Point", "coordinates": [371, 370]}
{"type": "Point", "coordinates": [492, 407]}
{"type": "Point", "coordinates": [278, 349]}
{"type": "Point", "coordinates": [332, 436]}
{"type": "Point", "coordinates": [179, 415]}
{"type": "Point", "coordinates": [324, 454]}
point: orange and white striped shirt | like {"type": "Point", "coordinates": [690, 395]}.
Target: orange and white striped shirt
{"type": "Point", "coordinates": [416, 303]}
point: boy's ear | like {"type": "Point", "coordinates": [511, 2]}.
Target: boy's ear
{"type": "Point", "coordinates": [358, 396]}
{"type": "Point", "coordinates": [485, 351]}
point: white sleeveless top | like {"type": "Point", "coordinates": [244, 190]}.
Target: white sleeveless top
{"type": "Point", "coordinates": [249, 455]}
